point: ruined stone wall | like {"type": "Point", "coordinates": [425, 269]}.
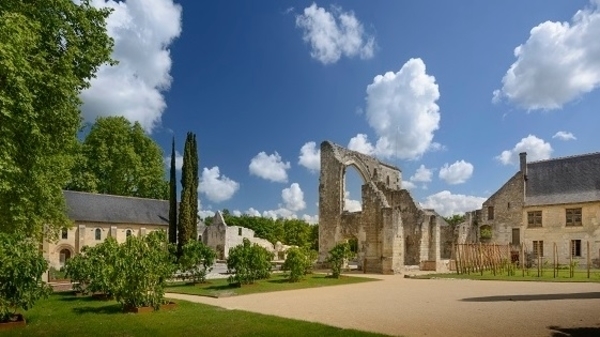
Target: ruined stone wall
{"type": "Point", "coordinates": [507, 205]}
{"type": "Point", "coordinates": [412, 220]}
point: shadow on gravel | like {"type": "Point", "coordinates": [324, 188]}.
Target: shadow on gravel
{"type": "Point", "coordinates": [536, 297]}
{"type": "Point", "coordinates": [574, 332]}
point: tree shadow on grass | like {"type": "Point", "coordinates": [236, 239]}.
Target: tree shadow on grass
{"type": "Point", "coordinates": [106, 310]}
{"type": "Point", "coordinates": [535, 297]}
{"type": "Point", "coordinates": [574, 332]}
{"type": "Point", "coordinates": [279, 281]}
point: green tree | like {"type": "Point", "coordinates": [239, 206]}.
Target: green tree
{"type": "Point", "coordinates": [455, 219]}
{"type": "Point", "coordinates": [48, 53]}
{"type": "Point", "coordinates": [296, 232]}
{"type": "Point", "coordinates": [297, 263]}
{"type": "Point", "coordinates": [337, 257]}
{"type": "Point", "coordinates": [248, 262]}
{"type": "Point", "coordinates": [120, 159]}
{"type": "Point", "coordinates": [173, 198]}
{"type": "Point", "coordinates": [22, 267]}
{"type": "Point", "coordinates": [188, 205]}
{"type": "Point", "coordinates": [196, 261]}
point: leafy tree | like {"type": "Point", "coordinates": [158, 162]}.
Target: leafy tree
{"type": "Point", "coordinates": [22, 267]}
{"type": "Point", "coordinates": [188, 206]}
{"type": "Point", "coordinates": [173, 198]}
{"type": "Point", "coordinates": [102, 260]}
{"type": "Point", "coordinates": [78, 270]}
{"type": "Point", "coordinates": [120, 158]}
{"type": "Point", "coordinates": [196, 261]}
{"type": "Point", "coordinates": [314, 237]}
{"type": "Point", "coordinates": [144, 265]}
{"type": "Point", "coordinates": [296, 232]}
{"type": "Point", "coordinates": [248, 262]}
{"type": "Point", "coordinates": [455, 219]}
{"type": "Point", "coordinates": [337, 257]}
{"type": "Point", "coordinates": [297, 263]}
{"type": "Point", "coordinates": [48, 53]}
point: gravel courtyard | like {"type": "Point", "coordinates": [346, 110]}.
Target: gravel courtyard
{"type": "Point", "coordinates": [438, 307]}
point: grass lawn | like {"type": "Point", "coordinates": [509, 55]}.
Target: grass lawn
{"type": "Point", "coordinates": [530, 275]}
{"type": "Point", "coordinates": [277, 282]}
{"type": "Point", "coordinates": [66, 315]}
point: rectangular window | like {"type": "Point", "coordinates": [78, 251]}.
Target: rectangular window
{"type": "Point", "coordinates": [240, 231]}
{"type": "Point", "coordinates": [534, 219]}
{"type": "Point", "coordinates": [576, 248]}
{"type": "Point", "coordinates": [490, 212]}
{"type": "Point", "coordinates": [573, 217]}
{"type": "Point", "coordinates": [538, 247]}
{"type": "Point", "coordinates": [64, 234]}
{"type": "Point", "coordinates": [516, 236]}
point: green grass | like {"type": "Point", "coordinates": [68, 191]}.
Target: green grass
{"type": "Point", "coordinates": [277, 282]}
{"type": "Point", "coordinates": [530, 275]}
{"type": "Point", "coordinates": [67, 315]}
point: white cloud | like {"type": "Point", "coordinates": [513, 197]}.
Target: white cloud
{"type": "Point", "coordinates": [252, 212]}
{"type": "Point", "coordinates": [293, 198]}
{"type": "Point", "coordinates": [407, 184]}
{"type": "Point", "coordinates": [351, 205]}
{"type": "Point", "coordinates": [446, 203]}
{"type": "Point", "coordinates": [563, 135]}
{"type": "Point", "coordinates": [310, 157]}
{"type": "Point", "coordinates": [334, 34]}
{"type": "Point", "coordinates": [422, 175]}
{"type": "Point", "coordinates": [457, 173]}
{"type": "Point", "coordinates": [311, 219]}
{"type": "Point", "coordinates": [178, 161]}
{"type": "Point", "coordinates": [142, 31]}
{"type": "Point", "coordinates": [215, 186]}
{"type": "Point", "coordinates": [536, 148]}
{"type": "Point", "coordinates": [237, 212]}
{"type": "Point", "coordinates": [401, 109]}
{"type": "Point", "coordinates": [558, 63]}
{"type": "Point", "coordinates": [280, 213]}
{"type": "Point", "coordinates": [360, 143]}
{"type": "Point", "coordinates": [270, 167]}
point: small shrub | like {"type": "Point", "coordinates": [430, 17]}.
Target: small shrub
{"type": "Point", "coordinates": [22, 267]}
{"type": "Point", "coordinates": [311, 256]}
{"type": "Point", "coordinates": [248, 262]}
{"type": "Point", "coordinates": [196, 261]}
{"type": "Point", "coordinates": [102, 259]}
{"type": "Point", "coordinates": [337, 257]}
{"type": "Point", "coordinates": [296, 264]}
{"type": "Point", "coordinates": [78, 270]}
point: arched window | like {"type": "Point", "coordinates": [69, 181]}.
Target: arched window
{"type": "Point", "coordinates": [64, 256]}
{"type": "Point", "coordinates": [98, 234]}
{"type": "Point", "coordinates": [200, 237]}
{"type": "Point", "coordinates": [64, 234]}
{"type": "Point", "coordinates": [128, 233]}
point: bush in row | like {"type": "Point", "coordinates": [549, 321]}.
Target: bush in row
{"type": "Point", "coordinates": [248, 263]}
{"type": "Point", "coordinates": [196, 261]}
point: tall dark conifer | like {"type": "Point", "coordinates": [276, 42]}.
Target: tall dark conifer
{"type": "Point", "coordinates": [188, 205]}
{"type": "Point", "coordinates": [173, 198]}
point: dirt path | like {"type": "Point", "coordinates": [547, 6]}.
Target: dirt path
{"type": "Point", "coordinates": [441, 307]}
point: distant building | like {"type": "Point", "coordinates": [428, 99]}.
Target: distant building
{"type": "Point", "coordinates": [98, 216]}
{"type": "Point", "coordinates": [546, 202]}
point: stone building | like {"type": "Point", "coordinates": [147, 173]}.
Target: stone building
{"type": "Point", "coordinates": [221, 237]}
{"type": "Point", "coordinates": [547, 202]}
{"type": "Point", "coordinates": [391, 229]}
{"type": "Point", "coordinates": [98, 216]}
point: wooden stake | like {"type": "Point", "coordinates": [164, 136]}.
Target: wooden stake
{"type": "Point", "coordinates": [554, 267]}
{"type": "Point", "coordinates": [588, 259]}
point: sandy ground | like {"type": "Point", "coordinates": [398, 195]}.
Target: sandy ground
{"type": "Point", "coordinates": [439, 307]}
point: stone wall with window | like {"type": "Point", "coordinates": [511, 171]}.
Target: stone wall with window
{"type": "Point", "coordinates": [570, 226]}
{"type": "Point", "coordinates": [502, 212]}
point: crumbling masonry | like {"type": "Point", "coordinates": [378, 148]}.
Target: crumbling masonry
{"type": "Point", "coordinates": [392, 230]}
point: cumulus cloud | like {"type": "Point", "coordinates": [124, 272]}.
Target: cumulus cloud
{"type": "Point", "coordinates": [311, 219]}
{"type": "Point", "coordinates": [401, 108]}
{"type": "Point", "coordinates": [536, 148]}
{"type": "Point", "coordinates": [142, 31]}
{"type": "Point", "coordinates": [280, 213]}
{"type": "Point", "coordinates": [457, 173]}
{"type": "Point", "coordinates": [351, 205]}
{"type": "Point", "coordinates": [407, 184]}
{"type": "Point", "coordinates": [422, 175]}
{"type": "Point", "coordinates": [293, 198]}
{"type": "Point", "coordinates": [215, 186]}
{"type": "Point", "coordinates": [310, 157]}
{"type": "Point", "coordinates": [334, 34]}
{"type": "Point", "coordinates": [563, 135]}
{"type": "Point", "coordinates": [445, 203]}
{"type": "Point", "coordinates": [360, 143]}
{"type": "Point", "coordinates": [558, 63]}
{"type": "Point", "coordinates": [178, 161]}
{"type": "Point", "coordinates": [270, 167]}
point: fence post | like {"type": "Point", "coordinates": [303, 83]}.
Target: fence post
{"type": "Point", "coordinates": [554, 266]}
{"type": "Point", "coordinates": [588, 259]}
{"type": "Point", "coordinates": [523, 258]}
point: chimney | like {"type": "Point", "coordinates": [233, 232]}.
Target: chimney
{"type": "Point", "coordinates": [523, 162]}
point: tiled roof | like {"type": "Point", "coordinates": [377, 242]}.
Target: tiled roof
{"type": "Point", "coordinates": [572, 179]}
{"type": "Point", "coordinates": [92, 207]}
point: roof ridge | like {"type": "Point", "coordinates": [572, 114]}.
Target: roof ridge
{"type": "Point", "coordinates": [114, 195]}
{"type": "Point", "coordinates": [564, 157]}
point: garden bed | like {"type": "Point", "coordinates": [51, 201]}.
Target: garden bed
{"type": "Point", "coordinates": [17, 322]}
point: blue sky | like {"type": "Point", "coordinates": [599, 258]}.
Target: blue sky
{"type": "Point", "coordinates": [450, 92]}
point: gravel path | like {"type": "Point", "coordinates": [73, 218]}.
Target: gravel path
{"type": "Point", "coordinates": [439, 307]}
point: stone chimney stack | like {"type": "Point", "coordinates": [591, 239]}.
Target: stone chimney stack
{"type": "Point", "coordinates": [523, 162]}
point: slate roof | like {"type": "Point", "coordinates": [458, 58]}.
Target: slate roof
{"type": "Point", "coordinates": [572, 179]}
{"type": "Point", "coordinates": [92, 207]}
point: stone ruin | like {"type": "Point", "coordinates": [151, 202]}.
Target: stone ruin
{"type": "Point", "coordinates": [392, 230]}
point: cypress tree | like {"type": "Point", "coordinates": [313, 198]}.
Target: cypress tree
{"type": "Point", "coordinates": [188, 205]}
{"type": "Point", "coordinates": [173, 198]}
